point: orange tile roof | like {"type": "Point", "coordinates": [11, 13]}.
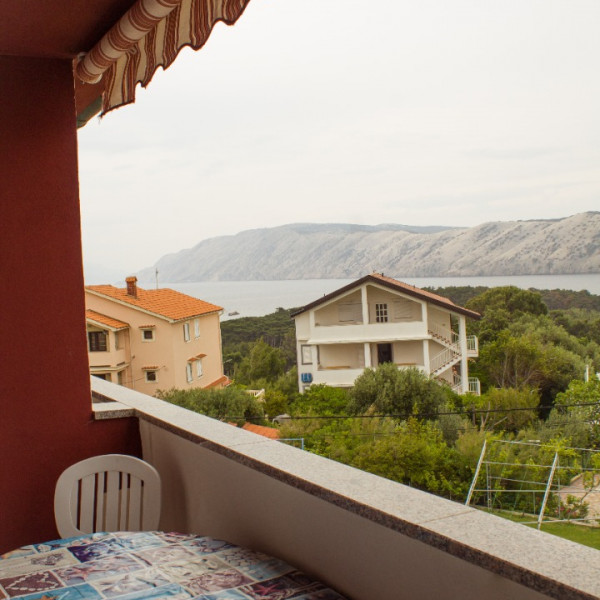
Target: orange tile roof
{"type": "Point", "coordinates": [164, 302]}
{"type": "Point", "coordinates": [92, 315]}
{"type": "Point", "coordinates": [268, 432]}
{"type": "Point", "coordinates": [223, 380]}
{"type": "Point", "coordinates": [399, 286]}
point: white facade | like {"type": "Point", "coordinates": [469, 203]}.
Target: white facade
{"type": "Point", "coordinates": [377, 320]}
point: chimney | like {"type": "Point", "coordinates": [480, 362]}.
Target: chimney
{"type": "Point", "coordinates": [131, 286]}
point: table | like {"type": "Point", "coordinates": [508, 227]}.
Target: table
{"type": "Point", "coordinates": [151, 566]}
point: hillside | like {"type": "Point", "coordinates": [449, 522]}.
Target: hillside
{"type": "Point", "coordinates": [340, 251]}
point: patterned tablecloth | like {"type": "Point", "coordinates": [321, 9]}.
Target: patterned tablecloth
{"type": "Point", "coordinates": [153, 565]}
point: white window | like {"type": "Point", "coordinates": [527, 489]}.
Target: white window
{"type": "Point", "coordinates": [188, 372]}
{"type": "Point", "coordinates": [197, 328]}
{"type": "Point", "coordinates": [306, 354]}
{"type": "Point", "coordinates": [199, 368]}
{"type": "Point", "coordinates": [148, 334]}
{"type": "Point", "coordinates": [186, 332]}
{"type": "Point", "coordinates": [381, 313]}
{"type": "Point", "coordinates": [151, 376]}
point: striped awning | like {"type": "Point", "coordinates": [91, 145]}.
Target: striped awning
{"type": "Point", "coordinates": [150, 35]}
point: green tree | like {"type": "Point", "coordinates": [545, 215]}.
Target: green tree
{"type": "Point", "coordinates": [400, 392]}
{"type": "Point", "coordinates": [500, 306]}
{"type": "Point", "coordinates": [418, 456]}
{"type": "Point", "coordinates": [262, 362]}
{"type": "Point", "coordinates": [228, 404]}
{"type": "Point", "coordinates": [581, 423]}
{"type": "Point", "coordinates": [501, 408]}
{"type": "Point", "coordinates": [510, 298]}
{"type": "Point", "coordinates": [321, 400]}
{"type": "Point", "coordinates": [514, 361]}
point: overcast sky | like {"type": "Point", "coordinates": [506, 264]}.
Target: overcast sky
{"type": "Point", "coordinates": [429, 112]}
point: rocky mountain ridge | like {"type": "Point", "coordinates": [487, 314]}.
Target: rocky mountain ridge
{"type": "Point", "coordinates": [345, 251]}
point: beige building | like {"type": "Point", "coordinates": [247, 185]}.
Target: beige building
{"type": "Point", "coordinates": [153, 339]}
{"type": "Point", "coordinates": [378, 319]}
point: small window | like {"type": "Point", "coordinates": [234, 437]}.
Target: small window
{"type": "Point", "coordinates": [306, 355]}
{"type": "Point", "coordinates": [148, 335]}
{"type": "Point", "coordinates": [97, 341]}
{"type": "Point", "coordinates": [151, 376]}
{"type": "Point", "coordinates": [197, 328]}
{"type": "Point", "coordinates": [186, 332]}
{"type": "Point", "coordinates": [381, 313]}
{"type": "Point", "coordinates": [188, 372]}
{"type": "Point", "coordinates": [199, 368]}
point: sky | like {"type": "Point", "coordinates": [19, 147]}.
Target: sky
{"type": "Point", "coordinates": [436, 112]}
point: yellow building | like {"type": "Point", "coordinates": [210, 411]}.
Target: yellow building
{"type": "Point", "coordinates": [153, 339]}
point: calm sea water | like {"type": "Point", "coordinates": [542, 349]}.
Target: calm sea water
{"type": "Point", "coordinates": [257, 298]}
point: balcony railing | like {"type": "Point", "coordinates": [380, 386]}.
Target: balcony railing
{"type": "Point", "coordinates": [334, 334]}
{"type": "Point", "coordinates": [474, 386]}
{"type": "Point", "coordinates": [472, 346]}
{"type": "Point", "coordinates": [366, 536]}
{"type": "Point", "coordinates": [444, 360]}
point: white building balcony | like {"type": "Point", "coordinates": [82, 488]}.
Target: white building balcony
{"type": "Point", "coordinates": [379, 332]}
{"type": "Point", "coordinates": [472, 346]}
{"type": "Point", "coordinates": [336, 376]}
{"type": "Point", "coordinates": [363, 535]}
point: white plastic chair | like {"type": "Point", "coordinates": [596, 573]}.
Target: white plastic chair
{"type": "Point", "coordinates": [113, 492]}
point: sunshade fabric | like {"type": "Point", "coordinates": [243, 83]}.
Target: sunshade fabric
{"type": "Point", "coordinates": [148, 36]}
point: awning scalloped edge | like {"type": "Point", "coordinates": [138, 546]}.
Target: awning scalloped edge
{"type": "Point", "coordinates": [151, 35]}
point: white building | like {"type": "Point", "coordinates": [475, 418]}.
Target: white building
{"type": "Point", "coordinates": [378, 319]}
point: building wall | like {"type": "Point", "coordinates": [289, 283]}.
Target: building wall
{"type": "Point", "coordinates": [208, 342]}
{"type": "Point", "coordinates": [350, 356]}
{"type": "Point", "coordinates": [400, 308]}
{"type": "Point", "coordinates": [408, 353]}
{"type": "Point", "coordinates": [169, 351]}
{"type": "Point", "coordinates": [436, 316]}
{"type": "Point", "coordinates": [45, 403]}
{"type": "Point", "coordinates": [330, 313]}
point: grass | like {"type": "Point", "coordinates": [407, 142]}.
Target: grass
{"type": "Point", "coordinates": [582, 534]}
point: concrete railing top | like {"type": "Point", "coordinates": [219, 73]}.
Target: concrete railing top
{"type": "Point", "coordinates": [546, 564]}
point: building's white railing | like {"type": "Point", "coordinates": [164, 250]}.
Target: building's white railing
{"type": "Point", "coordinates": [444, 360]}
{"type": "Point", "coordinates": [443, 334]}
{"type": "Point", "coordinates": [474, 386]}
{"type": "Point", "coordinates": [382, 332]}
{"type": "Point", "coordinates": [472, 345]}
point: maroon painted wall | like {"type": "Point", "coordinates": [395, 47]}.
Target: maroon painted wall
{"type": "Point", "coordinates": [45, 407]}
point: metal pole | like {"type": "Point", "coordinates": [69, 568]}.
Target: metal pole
{"type": "Point", "coordinates": [470, 494]}
{"type": "Point", "coordinates": [547, 493]}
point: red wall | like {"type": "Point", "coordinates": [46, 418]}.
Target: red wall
{"type": "Point", "coordinates": [45, 408]}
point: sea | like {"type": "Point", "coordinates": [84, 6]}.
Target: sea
{"type": "Point", "coordinates": [258, 298]}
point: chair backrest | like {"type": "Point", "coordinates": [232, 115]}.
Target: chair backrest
{"type": "Point", "coordinates": [113, 492]}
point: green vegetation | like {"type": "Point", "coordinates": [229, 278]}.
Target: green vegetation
{"type": "Point", "coordinates": [230, 404]}
{"type": "Point", "coordinates": [588, 536]}
{"type": "Point", "coordinates": [390, 391]}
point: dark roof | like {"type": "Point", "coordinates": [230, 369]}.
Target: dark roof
{"type": "Point", "coordinates": [397, 286]}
